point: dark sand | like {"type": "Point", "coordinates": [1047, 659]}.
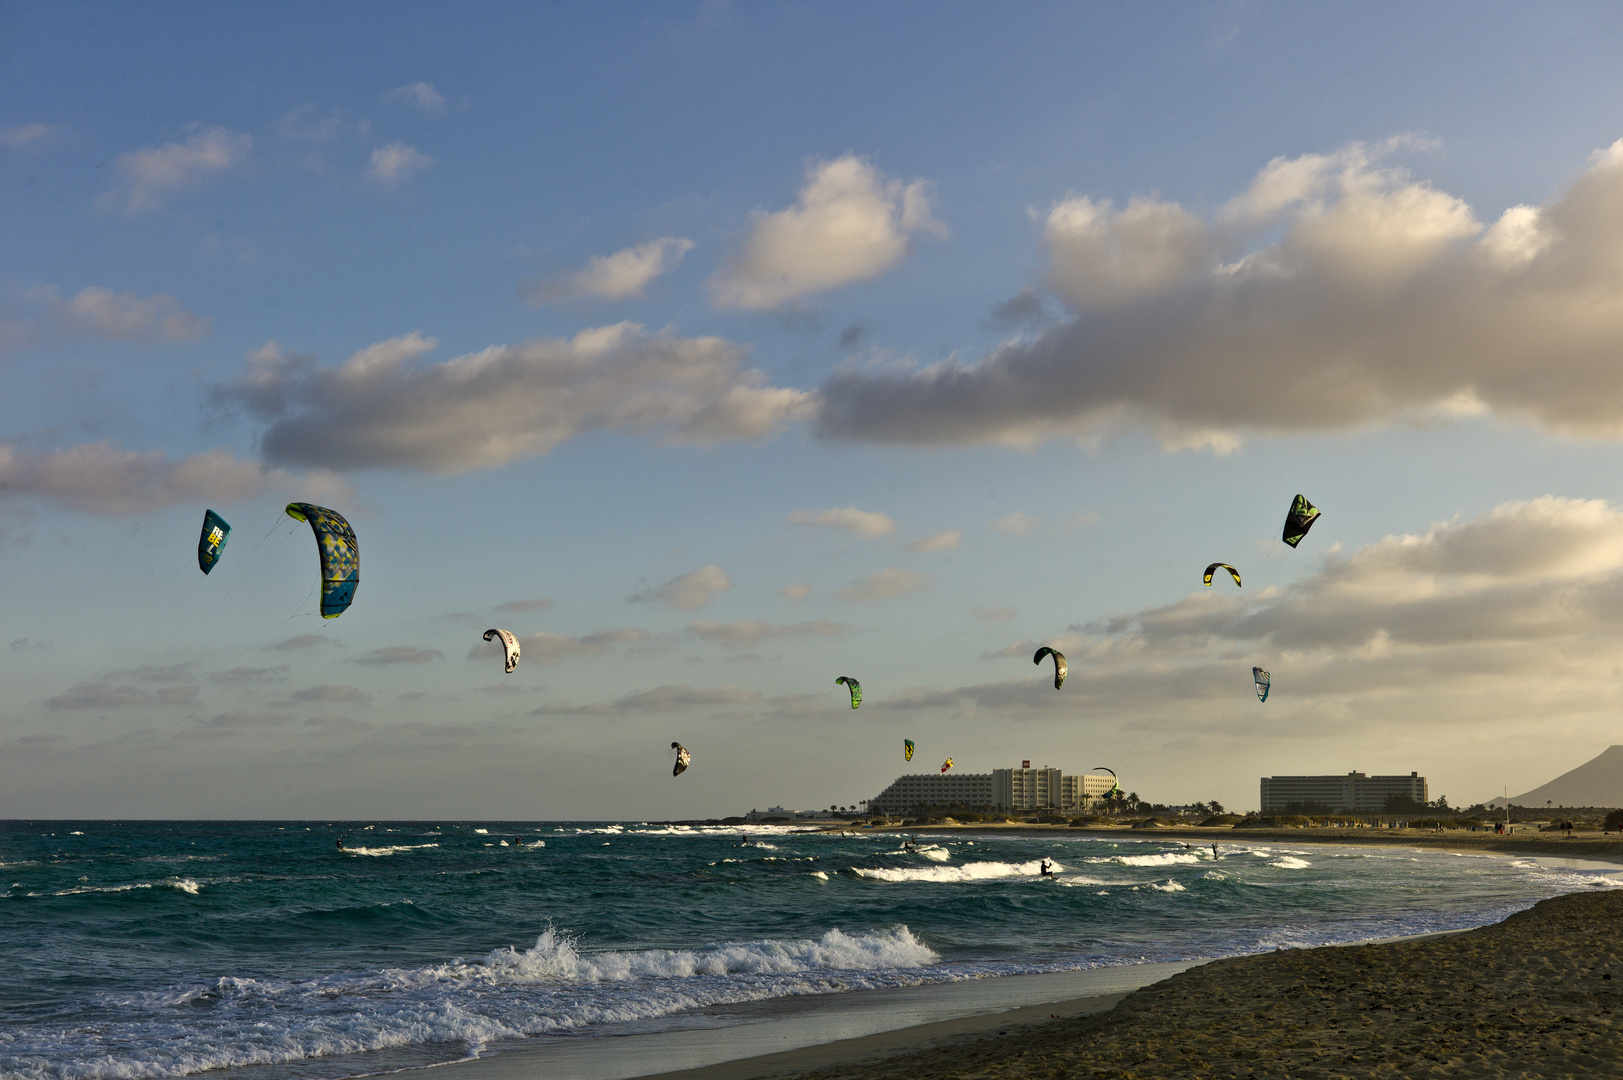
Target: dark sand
{"type": "Point", "coordinates": [1528, 997]}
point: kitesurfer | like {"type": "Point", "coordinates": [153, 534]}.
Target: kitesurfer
{"type": "Point", "coordinates": [1047, 868]}
{"type": "Point", "coordinates": [1215, 855]}
{"type": "Point", "coordinates": [340, 843]}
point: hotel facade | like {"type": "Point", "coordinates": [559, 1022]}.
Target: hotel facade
{"type": "Point", "coordinates": [1024, 788]}
{"type": "Point", "coordinates": [1354, 793]}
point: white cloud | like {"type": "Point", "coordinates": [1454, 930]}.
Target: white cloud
{"type": "Point", "coordinates": [504, 403]}
{"type": "Point", "coordinates": [621, 276]}
{"type": "Point", "coordinates": [885, 585]}
{"type": "Point", "coordinates": [149, 176]}
{"type": "Point", "coordinates": [1016, 524]}
{"type": "Point", "coordinates": [867, 523]}
{"type": "Point", "coordinates": [104, 313]}
{"type": "Point", "coordinates": [690, 591]}
{"type": "Point", "coordinates": [396, 162]}
{"type": "Point", "coordinates": [849, 224]}
{"type": "Point", "coordinates": [747, 635]}
{"type": "Point", "coordinates": [1335, 293]}
{"type": "Point", "coordinates": [795, 593]}
{"type": "Point", "coordinates": [28, 136]}
{"type": "Point", "coordinates": [421, 94]}
{"type": "Point", "coordinates": [944, 541]}
{"type": "Point", "coordinates": [100, 478]}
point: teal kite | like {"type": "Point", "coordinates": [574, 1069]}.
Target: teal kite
{"type": "Point", "coordinates": [1059, 664]}
{"type": "Point", "coordinates": [340, 556]}
{"type": "Point", "coordinates": [1263, 681]}
{"type": "Point", "coordinates": [211, 545]}
{"type": "Point", "coordinates": [1300, 519]}
{"type": "Point", "coordinates": [854, 686]}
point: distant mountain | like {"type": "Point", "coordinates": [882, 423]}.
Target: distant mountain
{"type": "Point", "coordinates": [1594, 783]}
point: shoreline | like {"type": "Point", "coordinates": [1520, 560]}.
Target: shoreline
{"type": "Point", "coordinates": [1537, 995]}
{"type": "Point", "coordinates": [861, 1032]}
{"type": "Point", "coordinates": [1598, 847]}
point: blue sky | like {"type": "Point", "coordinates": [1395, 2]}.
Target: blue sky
{"type": "Point", "coordinates": [718, 350]}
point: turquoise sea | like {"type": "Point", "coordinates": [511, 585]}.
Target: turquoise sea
{"type": "Point", "coordinates": [161, 949]}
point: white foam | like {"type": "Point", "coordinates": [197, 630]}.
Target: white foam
{"type": "Point", "coordinates": [1290, 863]}
{"type": "Point", "coordinates": [976, 871]}
{"type": "Point", "coordinates": [482, 832]}
{"type": "Point", "coordinates": [819, 875]}
{"type": "Point", "coordinates": [935, 853]}
{"type": "Point", "coordinates": [386, 850]}
{"type": "Point", "coordinates": [1167, 858]}
{"type": "Point", "coordinates": [1170, 886]}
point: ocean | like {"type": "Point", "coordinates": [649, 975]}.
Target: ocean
{"type": "Point", "coordinates": [163, 949]}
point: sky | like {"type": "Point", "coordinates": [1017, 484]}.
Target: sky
{"type": "Point", "coordinates": [717, 351]}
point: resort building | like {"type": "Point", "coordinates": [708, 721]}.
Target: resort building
{"type": "Point", "coordinates": [1024, 788]}
{"type": "Point", "coordinates": [1354, 793]}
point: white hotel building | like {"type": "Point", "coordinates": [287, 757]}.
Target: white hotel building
{"type": "Point", "coordinates": [1024, 788]}
{"type": "Point", "coordinates": [1354, 793]}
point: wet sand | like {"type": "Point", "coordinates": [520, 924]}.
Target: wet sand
{"type": "Point", "coordinates": [1538, 995]}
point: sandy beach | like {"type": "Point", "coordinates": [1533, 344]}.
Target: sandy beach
{"type": "Point", "coordinates": [1538, 995]}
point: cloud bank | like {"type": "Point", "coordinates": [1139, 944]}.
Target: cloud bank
{"type": "Point", "coordinates": [1334, 293]}
{"type": "Point", "coordinates": [382, 408]}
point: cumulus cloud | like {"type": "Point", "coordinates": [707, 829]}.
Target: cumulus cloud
{"type": "Point", "coordinates": [621, 276]}
{"type": "Point", "coordinates": [747, 635]}
{"type": "Point", "coordinates": [148, 177]}
{"type": "Point", "coordinates": [868, 523]}
{"type": "Point", "coordinates": [400, 654]}
{"type": "Point", "coordinates": [885, 585]}
{"type": "Point", "coordinates": [849, 224]}
{"type": "Point", "coordinates": [102, 479]}
{"type": "Point", "coordinates": [252, 674]}
{"type": "Point", "coordinates": [1335, 293]}
{"type": "Point", "coordinates": [690, 591]}
{"type": "Point", "coordinates": [545, 648]}
{"type": "Point", "coordinates": [944, 541]}
{"type": "Point", "coordinates": [795, 593]}
{"type": "Point", "coordinates": [397, 162]}
{"type": "Point", "coordinates": [301, 124]}
{"type": "Point", "coordinates": [1476, 623]}
{"type": "Point", "coordinates": [1016, 524]}
{"type": "Point", "coordinates": [105, 695]}
{"type": "Point", "coordinates": [383, 407]}
{"type": "Point", "coordinates": [421, 94]}
{"type": "Point", "coordinates": [661, 699]}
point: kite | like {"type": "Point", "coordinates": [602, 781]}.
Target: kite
{"type": "Point", "coordinates": [1235, 574]}
{"type": "Point", "coordinates": [683, 758]}
{"type": "Point", "coordinates": [1115, 783]}
{"type": "Point", "coordinates": [340, 556]}
{"type": "Point", "coordinates": [1059, 663]}
{"type": "Point", "coordinates": [1300, 519]}
{"type": "Point", "coordinates": [211, 545]}
{"type": "Point", "coordinates": [907, 749]}
{"type": "Point", "coordinates": [509, 646]}
{"type": "Point", "coordinates": [855, 687]}
{"type": "Point", "coordinates": [945, 765]}
{"type": "Point", "coordinates": [1264, 680]}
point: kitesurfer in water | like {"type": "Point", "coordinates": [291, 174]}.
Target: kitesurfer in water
{"type": "Point", "coordinates": [1215, 855]}
{"type": "Point", "coordinates": [1047, 869]}
{"type": "Point", "coordinates": [340, 843]}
